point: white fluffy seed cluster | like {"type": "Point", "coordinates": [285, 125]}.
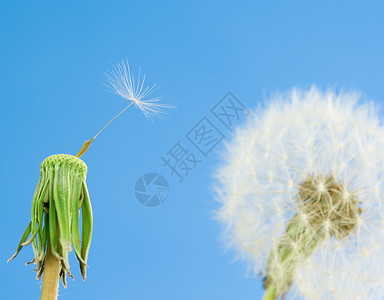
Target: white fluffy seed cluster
{"type": "Point", "coordinates": [302, 136]}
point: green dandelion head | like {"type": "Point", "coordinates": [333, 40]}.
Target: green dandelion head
{"type": "Point", "coordinates": [59, 196]}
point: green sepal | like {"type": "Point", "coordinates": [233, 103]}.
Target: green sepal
{"type": "Point", "coordinates": [61, 196]}
{"type": "Point", "coordinates": [43, 180]}
{"type": "Point", "coordinates": [23, 239]}
{"type": "Point", "coordinates": [38, 220]}
{"type": "Point", "coordinates": [86, 213]}
{"type": "Point", "coordinates": [52, 219]}
{"type": "Point", "coordinates": [43, 237]}
{"type": "Point", "coordinates": [76, 184]}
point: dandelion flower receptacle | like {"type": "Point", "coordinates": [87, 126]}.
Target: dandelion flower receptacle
{"type": "Point", "coordinates": [60, 195]}
{"type": "Point", "coordinates": [301, 194]}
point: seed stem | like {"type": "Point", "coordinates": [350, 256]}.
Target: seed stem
{"type": "Point", "coordinates": [51, 275]}
{"type": "Point", "coordinates": [86, 144]}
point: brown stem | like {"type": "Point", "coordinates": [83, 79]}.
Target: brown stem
{"type": "Point", "coordinates": [51, 275]}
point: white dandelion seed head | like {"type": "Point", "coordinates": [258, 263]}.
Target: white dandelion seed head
{"type": "Point", "coordinates": [312, 160]}
{"type": "Point", "coordinates": [121, 81]}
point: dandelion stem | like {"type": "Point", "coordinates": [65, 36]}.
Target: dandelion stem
{"type": "Point", "coordinates": [86, 144]}
{"type": "Point", "coordinates": [51, 275]}
{"type": "Point", "coordinates": [270, 293]}
{"type": "Point", "coordinates": [299, 241]}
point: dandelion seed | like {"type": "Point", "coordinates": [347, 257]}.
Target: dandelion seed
{"type": "Point", "coordinates": [324, 242]}
{"type": "Point", "coordinates": [120, 81]}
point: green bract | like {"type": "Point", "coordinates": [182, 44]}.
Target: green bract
{"type": "Point", "coordinates": [60, 194]}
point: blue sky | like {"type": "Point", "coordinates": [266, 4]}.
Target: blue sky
{"type": "Point", "coordinates": [52, 60]}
